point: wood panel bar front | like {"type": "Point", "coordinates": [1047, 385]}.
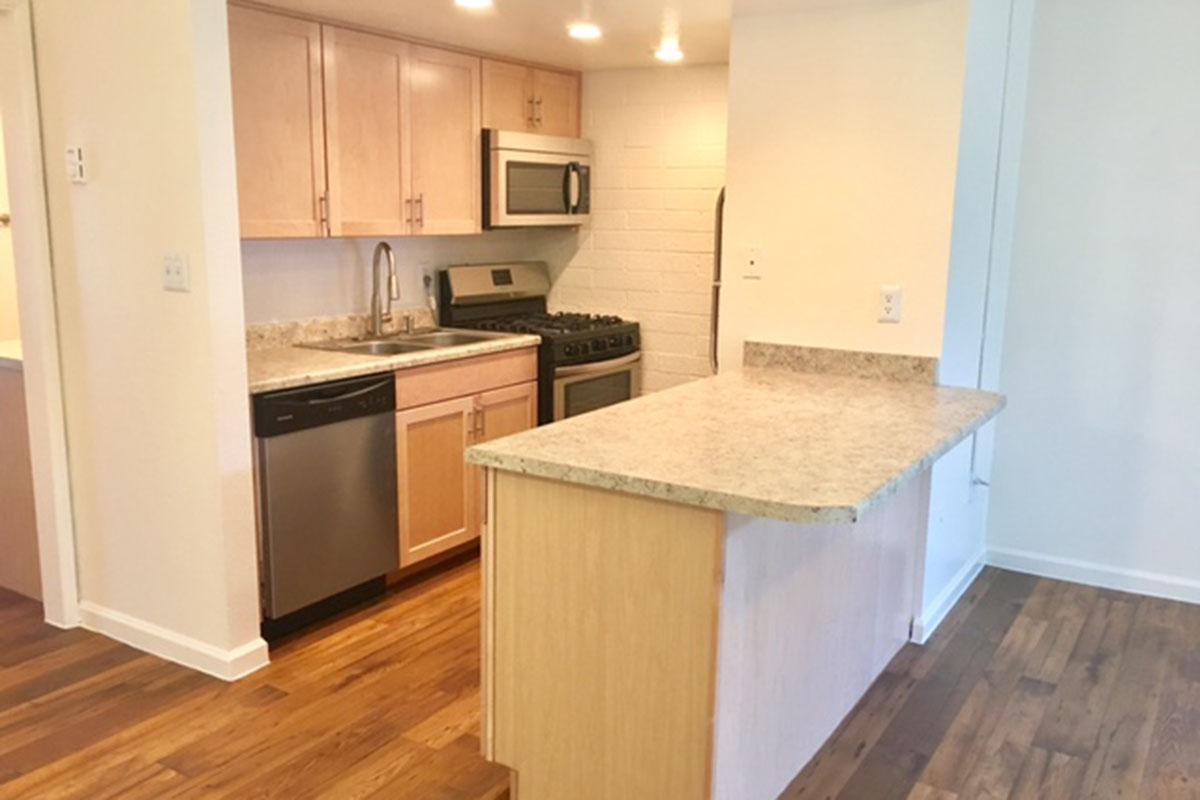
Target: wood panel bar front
{"type": "Point", "coordinates": [638, 648]}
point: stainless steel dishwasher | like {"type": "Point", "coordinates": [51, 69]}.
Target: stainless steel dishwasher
{"type": "Point", "coordinates": [326, 490]}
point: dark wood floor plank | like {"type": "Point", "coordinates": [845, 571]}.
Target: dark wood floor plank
{"type": "Point", "coordinates": [1049, 776]}
{"type": "Point", "coordinates": [1072, 726]}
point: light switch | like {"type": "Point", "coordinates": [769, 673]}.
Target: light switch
{"type": "Point", "coordinates": [76, 172]}
{"type": "Point", "coordinates": [176, 277]}
{"type": "Point", "coordinates": [891, 303]}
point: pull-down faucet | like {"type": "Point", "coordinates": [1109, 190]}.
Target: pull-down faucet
{"type": "Point", "coordinates": [378, 315]}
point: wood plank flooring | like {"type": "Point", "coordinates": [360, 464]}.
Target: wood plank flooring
{"type": "Point", "coordinates": [383, 703]}
{"type": "Point", "coordinates": [1031, 689]}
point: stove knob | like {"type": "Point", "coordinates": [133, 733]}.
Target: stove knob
{"type": "Point", "coordinates": [583, 349]}
{"type": "Point", "coordinates": [599, 344]}
{"type": "Point", "coordinates": [629, 340]}
{"type": "Point", "coordinates": [570, 349]}
{"type": "Point", "coordinates": [614, 341]}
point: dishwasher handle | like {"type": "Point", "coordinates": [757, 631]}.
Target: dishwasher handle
{"type": "Point", "coordinates": [324, 401]}
{"type": "Point", "coordinates": [293, 410]}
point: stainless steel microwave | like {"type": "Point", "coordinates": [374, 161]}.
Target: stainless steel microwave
{"type": "Point", "coordinates": [534, 180]}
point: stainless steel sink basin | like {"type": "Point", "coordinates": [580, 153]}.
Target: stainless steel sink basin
{"type": "Point", "coordinates": [406, 343]}
{"type": "Point", "coordinates": [377, 347]}
{"type": "Point", "coordinates": [382, 348]}
{"type": "Point", "coordinates": [448, 338]}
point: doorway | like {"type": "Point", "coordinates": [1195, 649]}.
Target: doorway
{"type": "Point", "coordinates": [32, 429]}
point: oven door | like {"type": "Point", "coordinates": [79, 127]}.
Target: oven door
{"type": "Point", "coordinates": [534, 189]}
{"type": "Point", "coordinates": [586, 387]}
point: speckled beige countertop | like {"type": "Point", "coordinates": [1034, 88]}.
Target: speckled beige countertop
{"type": "Point", "coordinates": [10, 354]}
{"type": "Point", "coordinates": [288, 367]}
{"type": "Point", "coordinates": [770, 443]}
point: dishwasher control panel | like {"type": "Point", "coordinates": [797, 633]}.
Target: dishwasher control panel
{"type": "Point", "coordinates": [291, 410]}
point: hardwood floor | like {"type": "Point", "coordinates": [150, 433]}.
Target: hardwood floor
{"type": "Point", "coordinates": [1031, 689]}
{"type": "Point", "coordinates": [383, 703]}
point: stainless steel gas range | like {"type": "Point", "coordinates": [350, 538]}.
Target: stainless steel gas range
{"type": "Point", "coordinates": [585, 361]}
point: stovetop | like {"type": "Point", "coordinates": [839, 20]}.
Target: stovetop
{"type": "Point", "coordinates": [571, 338]}
{"type": "Point", "coordinates": [552, 324]}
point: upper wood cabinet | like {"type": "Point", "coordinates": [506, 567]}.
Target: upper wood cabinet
{"type": "Point", "coordinates": [366, 118]}
{"type": "Point", "coordinates": [278, 129]}
{"type": "Point", "coordinates": [345, 133]}
{"type": "Point", "coordinates": [443, 110]}
{"type": "Point", "coordinates": [519, 98]}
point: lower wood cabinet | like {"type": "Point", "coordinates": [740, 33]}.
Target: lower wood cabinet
{"type": "Point", "coordinates": [441, 496]}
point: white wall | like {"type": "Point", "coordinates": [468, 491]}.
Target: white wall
{"type": "Point", "coordinates": [154, 382]}
{"type": "Point", "coordinates": [1097, 470]}
{"type": "Point", "coordinates": [843, 134]}
{"type": "Point", "coordinates": [988, 167]}
{"type": "Point", "coordinates": [306, 278]}
{"type": "Point", "coordinates": [659, 138]}
{"type": "Point", "coordinates": [9, 320]}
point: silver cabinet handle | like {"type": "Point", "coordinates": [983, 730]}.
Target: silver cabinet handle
{"type": "Point", "coordinates": [421, 210]}
{"type": "Point", "coordinates": [323, 212]}
{"type": "Point", "coordinates": [408, 211]}
{"type": "Point", "coordinates": [530, 118]}
{"type": "Point", "coordinates": [538, 115]}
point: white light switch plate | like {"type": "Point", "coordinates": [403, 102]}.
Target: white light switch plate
{"type": "Point", "coordinates": [754, 264]}
{"type": "Point", "coordinates": [891, 303]}
{"type": "Point", "coordinates": [76, 173]}
{"type": "Point", "coordinates": [176, 277]}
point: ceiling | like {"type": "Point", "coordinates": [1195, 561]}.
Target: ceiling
{"type": "Point", "coordinates": [535, 30]}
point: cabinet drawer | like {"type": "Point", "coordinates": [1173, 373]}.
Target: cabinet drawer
{"type": "Point", "coordinates": [433, 383]}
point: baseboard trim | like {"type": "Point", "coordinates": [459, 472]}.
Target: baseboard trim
{"type": "Point", "coordinates": [228, 665]}
{"type": "Point", "coordinates": [925, 625]}
{"type": "Point", "coordinates": [1091, 573]}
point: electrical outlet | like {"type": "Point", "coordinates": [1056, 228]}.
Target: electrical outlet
{"type": "Point", "coordinates": [754, 264]}
{"type": "Point", "coordinates": [891, 303]}
{"type": "Point", "coordinates": [176, 277]}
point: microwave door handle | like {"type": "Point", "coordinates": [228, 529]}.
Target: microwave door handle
{"type": "Point", "coordinates": [576, 187]}
{"type": "Point", "coordinates": [570, 171]}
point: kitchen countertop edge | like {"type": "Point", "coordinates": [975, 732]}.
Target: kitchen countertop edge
{"type": "Point", "coordinates": [850, 510]}
{"type": "Point", "coordinates": [280, 368]}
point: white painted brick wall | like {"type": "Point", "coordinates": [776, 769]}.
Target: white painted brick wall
{"type": "Point", "coordinates": [647, 254]}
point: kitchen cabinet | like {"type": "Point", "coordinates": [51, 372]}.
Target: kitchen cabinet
{"type": "Point", "coordinates": [365, 80]}
{"type": "Point", "coordinates": [278, 127]}
{"type": "Point", "coordinates": [519, 98]}
{"type": "Point", "coordinates": [397, 124]}
{"type": "Point", "coordinates": [437, 507]}
{"type": "Point", "coordinates": [444, 109]}
{"type": "Point", "coordinates": [443, 410]}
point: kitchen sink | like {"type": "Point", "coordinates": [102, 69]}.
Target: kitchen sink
{"type": "Point", "coordinates": [382, 348]}
{"type": "Point", "coordinates": [448, 338]}
{"type": "Point", "coordinates": [405, 343]}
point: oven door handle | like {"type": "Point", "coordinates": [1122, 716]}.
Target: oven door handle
{"type": "Point", "coordinates": [597, 366]}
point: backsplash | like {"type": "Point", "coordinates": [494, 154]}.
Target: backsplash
{"type": "Point", "coordinates": [852, 363]}
{"type": "Point", "coordinates": [267, 335]}
{"type": "Point", "coordinates": [304, 279]}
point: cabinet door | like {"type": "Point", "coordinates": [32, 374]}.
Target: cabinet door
{"type": "Point", "coordinates": [278, 130]}
{"type": "Point", "coordinates": [556, 103]}
{"type": "Point", "coordinates": [437, 493]}
{"type": "Point", "coordinates": [445, 141]}
{"type": "Point", "coordinates": [501, 412]}
{"type": "Point", "coordinates": [507, 96]}
{"type": "Point", "coordinates": [366, 79]}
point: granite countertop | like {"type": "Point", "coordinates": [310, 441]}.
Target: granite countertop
{"type": "Point", "coordinates": [773, 443]}
{"type": "Point", "coordinates": [10, 354]}
{"type": "Point", "coordinates": [288, 367]}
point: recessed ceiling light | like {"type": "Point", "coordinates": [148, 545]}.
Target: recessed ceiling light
{"type": "Point", "coordinates": [669, 51]}
{"type": "Point", "coordinates": [584, 30]}
{"type": "Point", "coordinates": [474, 5]}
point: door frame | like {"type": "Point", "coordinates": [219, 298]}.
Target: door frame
{"type": "Point", "coordinates": [39, 320]}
